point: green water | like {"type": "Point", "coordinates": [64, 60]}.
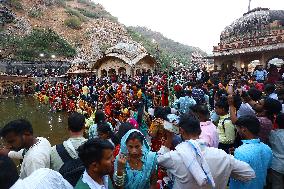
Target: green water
{"type": "Point", "coordinates": [52, 126]}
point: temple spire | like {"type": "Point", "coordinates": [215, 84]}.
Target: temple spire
{"type": "Point", "coordinates": [249, 5]}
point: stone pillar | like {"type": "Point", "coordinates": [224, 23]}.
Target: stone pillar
{"type": "Point", "coordinates": [239, 63]}
{"type": "Point", "coordinates": [246, 66]}
{"type": "Point", "coordinates": [107, 70]}
{"type": "Point", "coordinates": [24, 86]}
{"type": "Point", "coordinates": [99, 73]}
{"type": "Point", "coordinates": [128, 70]}
{"type": "Point", "coordinates": [262, 60]}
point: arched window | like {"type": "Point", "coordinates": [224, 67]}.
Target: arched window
{"type": "Point", "coordinates": [121, 71]}
{"type": "Point", "coordinates": [111, 72]}
{"type": "Point", "coordinates": [103, 73]}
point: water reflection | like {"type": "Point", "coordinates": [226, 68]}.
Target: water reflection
{"type": "Point", "coordinates": [53, 126]}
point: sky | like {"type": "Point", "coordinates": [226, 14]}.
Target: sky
{"type": "Point", "coordinates": [196, 23]}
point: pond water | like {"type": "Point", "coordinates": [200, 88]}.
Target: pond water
{"type": "Point", "coordinates": [52, 126]}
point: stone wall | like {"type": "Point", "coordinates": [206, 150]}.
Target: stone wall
{"type": "Point", "coordinates": [33, 67]}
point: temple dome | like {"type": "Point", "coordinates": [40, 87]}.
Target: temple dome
{"type": "Point", "coordinates": [257, 22]}
{"type": "Point", "coordinates": [131, 52]}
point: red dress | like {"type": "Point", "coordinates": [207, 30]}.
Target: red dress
{"type": "Point", "coordinates": [157, 129]}
{"type": "Point", "coordinates": [165, 99]}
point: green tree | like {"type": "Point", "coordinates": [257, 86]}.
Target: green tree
{"type": "Point", "coordinates": [38, 41]}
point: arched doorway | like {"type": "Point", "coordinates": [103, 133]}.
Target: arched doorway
{"type": "Point", "coordinates": [111, 72]}
{"type": "Point", "coordinates": [103, 73]}
{"type": "Point", "coordinates": [121, 71]}
{"type": "Point", "coordinates": [138, 72]}
{"type": "Point", "coordinates": [228, 65]}
{"type": "Point", "coordinates": [252, 65]}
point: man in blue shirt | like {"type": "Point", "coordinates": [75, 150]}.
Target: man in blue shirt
{"type": "Point", "coordinates": [257, 154]}
{"type": "Point", "coordinates": [260, 74]}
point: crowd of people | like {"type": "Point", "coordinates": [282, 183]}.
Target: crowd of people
{"type": "Point", "coordinates": [178, 130]}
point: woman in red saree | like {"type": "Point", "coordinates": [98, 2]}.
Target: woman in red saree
{"type": "Point", "coordinates": [156, 130]}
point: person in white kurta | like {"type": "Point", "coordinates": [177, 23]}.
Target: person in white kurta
{"type": "Point", "coordinates": [193, 165]}
{"type": "Point", "coordinates": [36, 157]}
{"type": "Point", "coordinates": [35, 152]}
{"type": "Point", "coordinates": [43, 179]}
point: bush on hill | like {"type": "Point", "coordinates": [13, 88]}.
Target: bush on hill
{"type": "Point", "coordinates": [16, 4]}
{"type": "Point", "coordinates": [73, 12]}
{"type": "Point", "coordinates": [87, 13]}
{"type": "Point", "coordinates": [35, 13]}
{"type": "Point", "coordinates": [38, 41]}
{"type": "Point", "coordinates": [73, 22]}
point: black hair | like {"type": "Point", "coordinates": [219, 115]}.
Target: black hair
{"type": "Point", "coordinates": [280, 121]}
{"type": "Point", "coordinates": [250, 122]}
{"type": "Point", "coordinates": [140, 112]}
{"type": "Point", "coordinates": [159, 112]}
{"type": "Point", "coordinates": [237, 100]}
{"type": "Point", "coordinates": [92, 151]}
{"type": "Point", "coordinates": [76, 122]}
{"type": "Point", "coordinates": [269, 88]}
{"type": "Point", "coordinates": [123, 129]}
{"type": "Point", "coordinates": [190, 124]}
{"type": "Point", "coordinates": [100, 117]}
{"type": "Point", "coordinates": [187, 92]}
{"type": "Point", "coordinates": [135, 135]}
{"type": "Point", "coordinates": [105, 128]}
{"type": "Point", "coordinates": [254, 94]}
{"type": "Point", "coordinates": [222, 103]}
{"type": "Point", "coordinates": [272, 107]}
{"type": "Point", "coordinates": [8, 173]}
{"type": "Point", "coordinates": [182, 93]}
{"type": "Point", "coordinates": [18, 126]}
{"type": "Point", "coordinates": [220, 93]}
{"type": "Point", "coordinates": [201, 109]}
{"type": "Point", "coordinates": [167, 110]}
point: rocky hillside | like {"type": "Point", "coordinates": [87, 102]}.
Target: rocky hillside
{"type": "Point", "coordinates": [76, 30]}
{"type": "Point", "coordinates": [182, 53]}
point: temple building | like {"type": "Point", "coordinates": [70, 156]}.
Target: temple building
{"type": "Point", "coordinates": [126, 59]}
{"type": "Point", "coordinates": [257, 37]}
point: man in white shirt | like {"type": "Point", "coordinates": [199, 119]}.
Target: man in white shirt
{"type": "Point", "coordinates": [193, 165]}
{"type": "Point", "coordinates": [66, 154]}
{"type": "Point", "coordinates": [40, 179]}
{"type": "Point", "coordinates": [35, 152]}
{"type": "Point", "coordinates": [198, 74]}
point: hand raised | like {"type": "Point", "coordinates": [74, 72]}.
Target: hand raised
{"type": "Point", "coordinates": [231, 100]}
{"type": "Point", "coordinates": [121, 163]}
